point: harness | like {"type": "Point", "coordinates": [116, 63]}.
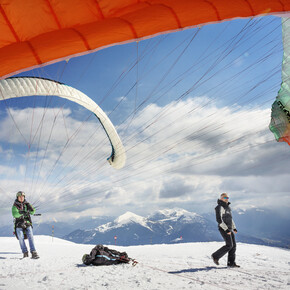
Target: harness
{"type": "Point", "coordinates": [22, 222]}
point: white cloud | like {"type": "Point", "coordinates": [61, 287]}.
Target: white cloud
{"type": "Point", "coordinates": [183, 154]}
{"type": "Point", "coordinates": [121, 99]}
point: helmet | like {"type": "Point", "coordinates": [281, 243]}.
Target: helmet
{"type": "Point", "coordinates": [85, 259]}
{"type": "Point", "coordinates": [20, 193]}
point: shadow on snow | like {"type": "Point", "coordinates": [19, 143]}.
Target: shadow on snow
{"type": "Point", "coordinates": [193, 270]}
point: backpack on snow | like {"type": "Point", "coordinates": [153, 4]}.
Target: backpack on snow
{"type": "Point", "coordinates": [101, 255]}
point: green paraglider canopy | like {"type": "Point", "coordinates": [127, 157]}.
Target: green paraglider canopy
{"type": "Point", "coordinates": [280, 118]}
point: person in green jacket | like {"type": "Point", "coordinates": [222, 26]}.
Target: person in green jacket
{"type": "Point", "coordinates": [21, 211]}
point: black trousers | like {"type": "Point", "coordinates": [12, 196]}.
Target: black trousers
{"type": "Point", "coordinates": [230, 247]}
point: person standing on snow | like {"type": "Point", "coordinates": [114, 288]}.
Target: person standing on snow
{"type": "Point", "coordinates": [21, 211]}
{"type": "Point", "coordinates": [227, 229]}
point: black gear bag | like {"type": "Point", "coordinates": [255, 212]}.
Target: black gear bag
{"type": "Point", "coordinates": [101, 255]}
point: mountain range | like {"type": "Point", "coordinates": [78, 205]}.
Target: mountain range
{"type": "Point", "coordinates": [163, 226]}
{"type": "Point", "coordinates": [256, 226]}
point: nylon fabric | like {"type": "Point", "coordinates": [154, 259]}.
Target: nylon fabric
{"type": "Point", "coordinates": [29, 86]}
{"type": "Point", "coordinates": [36, 32]}
{"type": "Point", "coordinates": [280, 117]}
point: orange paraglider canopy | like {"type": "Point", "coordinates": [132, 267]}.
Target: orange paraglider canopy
{"type": "Point", "coordinates": [36, 32]}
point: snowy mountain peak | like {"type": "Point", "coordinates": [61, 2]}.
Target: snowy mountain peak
{"type": "Point", "coordinates": [241, 211]}
{"type": "Point", "coordinates": [175, 213]}
{"type": "Point", "coordinates": [129, 217]}
{"type": "Point", "coordinates": [123, 220]}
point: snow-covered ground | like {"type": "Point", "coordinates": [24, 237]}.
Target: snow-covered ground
{"type": "Point", "coordinates": [177, 266]}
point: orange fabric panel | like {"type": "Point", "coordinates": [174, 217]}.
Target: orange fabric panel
{"type": "Point", "coordinates": [129, 9]}
{"type": "Point", "coordinates": [161, 17]}
{"type": "Point", "coordinates": [67, 39]}
{"type": "Point", "coordinates": [6, 36]}
{"type": "Point", "coordinates": [268, 6]}
{"type": "Point", "coordinates": [35, 32]}
{"type": "Point", "coordinates": [78, 12]}
{"type": "Point", "coordinates": [113, 8]}
{"type": "Point", "coordinates": [285, 139]}
{"type": "Point", "coordinates": [119, 30]}
{"type": "Point", "coordinates": [191, 13]}
{"type": "Point", "coordinates": [28, 18]}
{"type": "Point", "coordinates": [22, 57]}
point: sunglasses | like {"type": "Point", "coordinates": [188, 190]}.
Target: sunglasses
{"type": "Point", "coordinates": [225, 197]}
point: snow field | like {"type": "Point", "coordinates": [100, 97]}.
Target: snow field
{"type": "Point", "coordinates": [175, 266]}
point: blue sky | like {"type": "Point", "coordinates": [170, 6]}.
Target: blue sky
{"type": "Point", "coordinates": [206, 95]}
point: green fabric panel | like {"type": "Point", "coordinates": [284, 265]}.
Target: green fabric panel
{"type": "Point", "coordinates": [280, 117]}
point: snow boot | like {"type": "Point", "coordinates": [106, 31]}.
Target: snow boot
{"type": "Point", "coordinates": [234, 265]}
{"type": "Point", "coordinates": [216, 261]}
{"type": "Point", "coordinates": [25, 255]}
{"type": "Point", "coordinates": [34, 255]}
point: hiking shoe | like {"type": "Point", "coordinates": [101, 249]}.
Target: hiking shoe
{"type": "Point", "coordinates": [25, 255]}
{"type": "Point", "coordinates": [216, 261]}
{"type": "Point", "coordinates": [34, 255]}
{"type": "Point", "coordinates": [234, 265]}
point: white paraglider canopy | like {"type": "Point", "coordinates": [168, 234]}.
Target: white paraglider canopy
{"type": "Point", "coordinates": [31, 86]}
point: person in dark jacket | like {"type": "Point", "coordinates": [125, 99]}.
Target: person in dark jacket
{"type": "Point", "coordinates": [227, 228]}
{"type": "Point", "coordinates": [21, 211]}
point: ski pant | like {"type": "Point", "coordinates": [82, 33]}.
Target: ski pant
{"type": "Point", "coordinates": [230, 247]}
{"type": "Point", "coordinates": [20, 236]}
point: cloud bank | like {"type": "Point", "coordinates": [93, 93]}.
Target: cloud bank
{"type": "Point", "coordinates": [183, 154]}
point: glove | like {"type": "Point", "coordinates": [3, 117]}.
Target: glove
{"type": "Point", "coordinates": [29, 207]}
{"type": "Point", "coordinates": [24, 213]}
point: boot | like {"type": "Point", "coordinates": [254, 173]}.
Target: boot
{"type": "Point", "coordinates": [234, 265]}
{"type": "Point", "coordinates": [216, 261]}
{"type": "Point", "coordinates": [25, 255]}
{"type": "Point", "coordinates": [34, 255]}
